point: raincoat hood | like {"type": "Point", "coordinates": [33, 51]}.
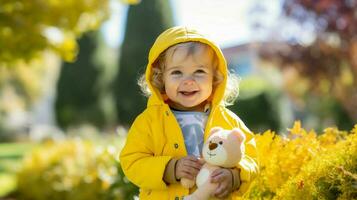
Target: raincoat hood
{"type": "Point", "coordinates": [174, 36]}
{"type": "Point", "coordinates": [155, 138]}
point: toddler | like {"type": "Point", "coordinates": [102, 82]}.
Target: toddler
{"type": "Point", "coordinates": [188, 85]}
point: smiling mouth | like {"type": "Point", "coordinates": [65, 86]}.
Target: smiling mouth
{"type": "Point", "coordinates": [188, 93]}
{"type": "Point", "coordinates": [211, 154]}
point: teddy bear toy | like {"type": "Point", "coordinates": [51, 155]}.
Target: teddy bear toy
{"type": "Point", "coordinates": [223, 149]}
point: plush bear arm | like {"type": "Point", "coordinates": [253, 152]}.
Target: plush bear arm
{"type": "Point", "coordinates": [169, 174]}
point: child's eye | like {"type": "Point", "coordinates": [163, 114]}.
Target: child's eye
{"type": "Point", "coordinates": [176, 72]}
{"type": "Point", "coordinates": [200, 71]}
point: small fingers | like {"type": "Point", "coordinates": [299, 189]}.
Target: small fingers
{"type": "Point", "coordinates": [217, 176]}
{"type": "Point", "coordinates": [224, 178]}
{"type": "Point", "coordinates": [188, 172]}
{"type": "Point", "coordinates": [191, 158]}
{"type": "Point", "coordinates": [222, 191]}
{"type": "Point", "coordinates": [222, 195]}
{"type": "Point", "coordinates": [192, 164]}
{"type": "Point", "coordinates": [201, 161]}
{"type": "Point", "coordinates": [185, 172]}
{"type": "Point", "coordinates": [188, 167]}
{"type": "Point", "coordinates": [188, 175]}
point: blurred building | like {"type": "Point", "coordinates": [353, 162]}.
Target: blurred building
{"type": "Point", "coordinates": [241, 59]}
{"type": "Point", "coordinates": [261, 104]}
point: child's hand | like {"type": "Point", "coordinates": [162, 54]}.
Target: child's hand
{"type": "Point", "coordinates": [224, 179]}
{"type": "Point", "coordinates": [188, 167]}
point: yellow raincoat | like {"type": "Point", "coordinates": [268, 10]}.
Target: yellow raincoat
{"type": "Point", "coordinates": [155, 136]}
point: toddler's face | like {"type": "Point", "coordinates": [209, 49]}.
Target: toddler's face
{"type": "Point", "coordinates": [188, 79]}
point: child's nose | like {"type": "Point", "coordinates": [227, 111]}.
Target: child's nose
{"type": "Point", "coordinates": [188, 81]}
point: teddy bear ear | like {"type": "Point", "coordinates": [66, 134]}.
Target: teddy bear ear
{"type": "Point", "coordinates": [239, 133]}
{"type": "Point", "coordinates": [215, 129]}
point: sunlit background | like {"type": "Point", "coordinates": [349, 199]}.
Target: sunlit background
{"type": "Point", "coordinates": [68, 71]}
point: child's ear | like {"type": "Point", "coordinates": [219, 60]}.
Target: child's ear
{"type": "Point", "coordinates": [239, 134]}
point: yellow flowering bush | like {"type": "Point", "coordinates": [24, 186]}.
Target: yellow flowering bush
{"type": "Point", "coordinates": [72, 169]}
{"type": "Point", "coordinates": [299, 165]}
{"type": "Point", "coordinates": [305, 165]}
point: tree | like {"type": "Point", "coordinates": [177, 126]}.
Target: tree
{"type": "Point", "coordinates": [327, 63]}
{"type": "Point", "coordinates": [29, 27]}
{"type": "Point", "coordinates": [78, 91]}
{"type": "Point", "coordinates": [30, 33]}
{"type": "Point", "coordinates": [145, 22]}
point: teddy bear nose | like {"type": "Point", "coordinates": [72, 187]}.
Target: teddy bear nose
{"type": "Point", "coordinates": [212, 146]}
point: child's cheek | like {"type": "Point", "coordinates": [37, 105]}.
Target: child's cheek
{"type": "Point", "coordinates": [203, 80]}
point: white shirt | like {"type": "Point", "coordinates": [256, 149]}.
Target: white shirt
{"type": "Point", "coordinates": [192, 125]}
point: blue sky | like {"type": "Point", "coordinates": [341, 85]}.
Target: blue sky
{"type": "Point", "coordinates": [227, 22]}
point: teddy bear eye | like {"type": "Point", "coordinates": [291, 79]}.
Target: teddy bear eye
{"type": "Point", "coordinates": [220, 142]}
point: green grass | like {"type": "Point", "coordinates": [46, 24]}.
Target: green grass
{"type": "Point", "coordinates": [14, 149]}
{"type": "Point", "coordinates": [10, 159]}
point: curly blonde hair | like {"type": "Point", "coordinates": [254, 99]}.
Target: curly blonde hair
{"type": "Point", "coordinates": [232, 87]}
